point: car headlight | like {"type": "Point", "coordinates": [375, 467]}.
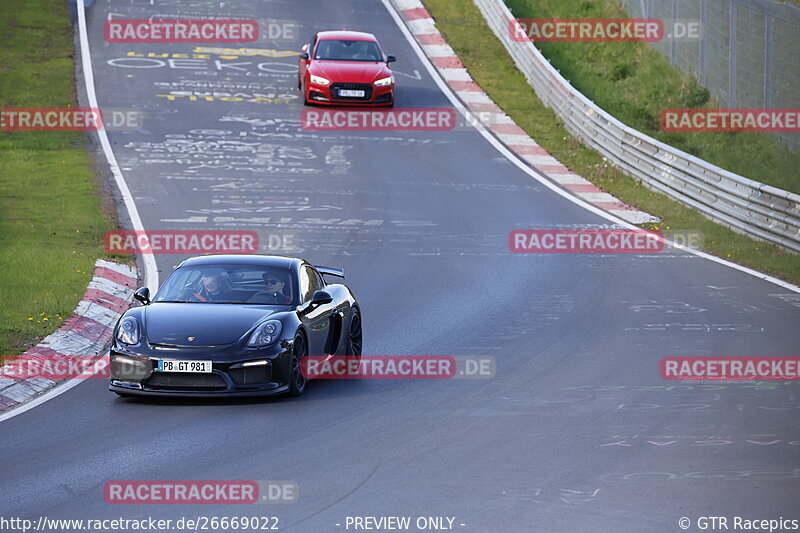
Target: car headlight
{"type": "Point", "coordinates": [384, 81]}
{"type": "Point", "coordinates": [128, 332]}
{"type": "Point", "coordinates": [265, 334]}
{"type": "Point", "coordinates": [319, 80]}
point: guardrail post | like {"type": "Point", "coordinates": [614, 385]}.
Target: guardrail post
{"type": "Point", "coordinates": [732, 58]}
{"type": "Point", "coordinates": [703, 40]}
{"type": "Point", "coordinates": [767, 61]}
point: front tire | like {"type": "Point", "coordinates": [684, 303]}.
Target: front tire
{"type": "Point", "coordinates": [297, 379]}
{"type": "Point", "coordinates": [302, 90]}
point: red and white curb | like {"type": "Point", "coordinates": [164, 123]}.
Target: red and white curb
{"type": "Point", "coordinates": [423, 28]}
{"type": "Point", "coordinates": [87, 332]}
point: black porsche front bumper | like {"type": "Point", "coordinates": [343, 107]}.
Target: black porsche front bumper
{"type": "Point", "coordinates": [247, 373]}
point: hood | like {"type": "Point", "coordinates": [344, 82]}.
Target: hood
{"type": "Point", "coordinates": [350, 71]}
{"type": "Point", "coordinates": [209, 324]}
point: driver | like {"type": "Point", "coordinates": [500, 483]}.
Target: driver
{"type": "Point", "coordinates": [362, 51]}
{"type": "Point", "coordinates": [212, 289]}
{"type": "Point", "coordinates": [274, 286]}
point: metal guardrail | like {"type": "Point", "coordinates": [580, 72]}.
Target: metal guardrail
{"type": "Point", "coordinates": [744, 205]}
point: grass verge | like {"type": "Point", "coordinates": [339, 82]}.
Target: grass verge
{"type": "Point", "coordinates": [634, 83]}
{"type": "Point", "coordinates": [490, 65]}
{"type": "Point", "coordinates": [51, 216]}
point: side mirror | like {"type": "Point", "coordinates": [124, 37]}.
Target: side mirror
{"type": "Point", "coordinates": [317, 299]}
{"type": "Point", "coordinates": [304, 55]}
{"type": "Point", "coordinates": [390, 59]}
{"type": "Point", "coordinates": [321, 298]}
{"type": "Point", "coordinates": [143, 295]}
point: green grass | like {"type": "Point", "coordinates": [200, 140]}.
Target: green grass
{"type": "Point", "coordinates": [490, 65]}
{"type": "Point", "coordinates": [634, 83]}
{"type": "Point", "coordinates": [51, 217]}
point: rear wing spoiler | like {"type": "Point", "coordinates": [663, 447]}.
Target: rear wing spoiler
{"type": "Point", "coordinates": [328, 271]}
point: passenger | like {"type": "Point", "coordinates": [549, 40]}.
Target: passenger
{"type": "Point", "coordinates": [274, 286]}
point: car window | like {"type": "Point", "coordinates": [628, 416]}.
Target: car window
{"type": "Point", "coordinates": [341, 50]}
{"type": "Point", "coordinates": [229, 284]}
{"type": "Point", "coordinates": [310, 282]}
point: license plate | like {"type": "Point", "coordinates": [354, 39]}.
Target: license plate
{"type": "Point", "coordinates": [351, 92]}
{"type": "Point", "coordinates": [203, 367]}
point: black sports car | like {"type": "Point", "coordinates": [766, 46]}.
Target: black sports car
{"type": "Point", "coordinates": [236, 325]}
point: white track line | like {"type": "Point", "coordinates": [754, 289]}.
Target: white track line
{"type": "Point", "coordinates": [448, 92]}
{"type": "Point", "coordinates": [150, 270]}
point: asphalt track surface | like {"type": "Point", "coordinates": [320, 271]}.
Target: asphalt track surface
{"type": "Point", "coordinates": [576, 432]}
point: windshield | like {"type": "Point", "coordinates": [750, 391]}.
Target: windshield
{"type": "Point", "coordinates": [348, 51]}
{"type": "Point", "coordinates": [233, 284]}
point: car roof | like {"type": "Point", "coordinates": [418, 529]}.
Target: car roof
{"type": "Point", "coordinates": [278, 261]}
{"type": "Point", "coordinates": [345, 35]}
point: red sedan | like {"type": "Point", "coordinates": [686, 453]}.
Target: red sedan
{"type": "Point", "coordinates": [345, 67]}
